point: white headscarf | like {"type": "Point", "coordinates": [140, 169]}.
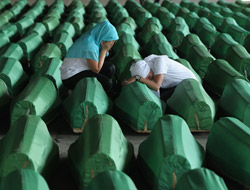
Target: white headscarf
{"type": "Point", "coordinates": [140, 68]}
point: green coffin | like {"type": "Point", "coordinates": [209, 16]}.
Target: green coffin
{"type": "Point", "coordinates": [239, 58]}
{"type": "Point", "coordinates": [214, 7]}
{"type": "Point", "coordinates": [202, 20]}
{"type": "Point", "coordinates": [118, 16]}
{"type": "Point", "coordinates": [10, 30]}
{"type": "Point", "coordinates": [207, 35]}
{"type": "Point", "coordinates": [228, 142]}
{"type": "Point", "coordinates": [200, 58]}
{"type": "Point", "coordinates": [235, 100]}
{"type": "Point", "coordinates": [194, 7]}
{"type": "Point", "coordinates": [49, 50]}
{"type": "Point", "coordinates": [39, 98]}
{"type": "Point", "coordinates": [4, 40]}
{"type": "Point", "coordinates": [221, 45]}
{"type": "Point", "coordinates": [226, 12]}
{"type": "Point", "coordinates": [222, 3]}
{"type": "Point", "coordinates": [246, 11]}
{"type": "Point", "coordinates": [174, 7]}
{"type": "Point", "coordinates": [102, 146]}
{"type": "Point", "coordinates": [141, 16]}
{"type": "Point", "coordinates": [28, 144]}
{"type": "Point", "coordinates": [64, 41]}
{"type": "Point", "coordinates": [65, 27]}
{"type": "Point", "coordinates": [124, 28]}
{"type": "Point", "coordinates": [8, 15]}
{"type": "Point", "coordinates": [192, 103]}
{"type": "Point", "coordinates": [87, 100]}
{"type": "Point", "coordinates": [220, 73]}
{"type": "Point", "coordinates": [201, 178]}
{"type": "Point", "coordinates": [151, 6]}
{"type": "Point", "coordinates": [204, 12]}
{"type": "Point", "coordinates": [78, 24]}
{"type": "Point", "coordinates": [191, 19]}
{"type": "Point", "coordinates": [238, 33]}
{"type": "Point", "coordinates": [12, 50]}
{"type": "Point", "coordinates": [159, 45]}
{"type": "Point", "coordinates": [130, 21]}
{"type": "Point", "coordinates": [111, 5]}
{"type": "Point", "coordinates": [183, 12]}
{"type": "Point", "coordinates": [187, 43]}
{"type": "Point", "coordinates": [216, 19]}
{"type": "Point", "coordinates": [30, 44]}
{"type": "Point", "coordinates": [112, 180]}
{"type": "Point", "coordinates": [178, 30]}
{"type": "Point", "coordinates": [51, 70]}
{"type": "Point", "coordinates": [39, 28]}
{"type": "Point", "coordinates": [165, 17]}
{"type": "Point", "coordinates": [234, 7]}
{"type": "Point", "coordinates": [132, 6]}
{"type": "Point", "coordinates": [168, 152]}
{"type": "Point", "coordinates": [12, 73]}
{"type": "Point", "coordinates": [138, 106]}
{"type": "Point", "coordinates": [227, 22]}
{"type": "Point", "coordinates": [24, 179]}
{"type": "Point", "coordinates": [187, 64]}
{"type": "Point", "coordinates": [23, 24]}
{"type": "Point", "coordinates": [5, 97]}
{"type": "Point", "coordinates": [185, 3]}
{"type": "Point", "coordinates": [122, 60]}
{"type": "Point", "coordinates": [51, 23]}
{"type": "Point", "coordinates": [241, 19]}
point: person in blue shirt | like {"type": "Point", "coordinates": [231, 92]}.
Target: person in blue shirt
{"type": "Point", "coordinates": [86, 56]}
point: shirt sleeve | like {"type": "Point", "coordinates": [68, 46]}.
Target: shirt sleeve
{"type": "Point", "coordinates": [160, 66]}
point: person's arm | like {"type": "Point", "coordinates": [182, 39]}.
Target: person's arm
{"type": "Point", "coordinates": [154, 85]}
{"type": "Point", "coordinates": [97, 66]}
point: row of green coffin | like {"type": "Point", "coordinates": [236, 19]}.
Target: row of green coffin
{"type": "Point", "coordinates": [171, 158]}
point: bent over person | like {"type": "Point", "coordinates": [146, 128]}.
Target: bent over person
{"type": "Point", "coordinates": [159, 73]}
{"type": "Point", "coordinates": [86, 56]}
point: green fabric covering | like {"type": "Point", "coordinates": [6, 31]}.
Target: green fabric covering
{"type": "Point", "coordinates": [241, 19]}
{"type": "Point", "coordinates": [111, 5]}
{"type": "Point", "coordinates": [247, 43]}
{"type": "Point", "coordinates": [38, 28]}
{"type": "Point", "coordinates": [47, 51]}
{"type": "Point", "coordinates": [204, 12]}
{"type": "Point", "coordinates": [4, 40]}
{"type": "Point", "coordinates": [200, 58]}
{"type": "Point", "coordinates": [3, 21]}
{"type": "Point", "coordinates": [28, 144]}
{"type": "Point", "coordinates": [219, 73]}
{"type": "Point", "coordinates": [112, 180]}
{"type": "Point", "coordinates": [222, 3]}
{"type": "Point", "coordinates": [159, 45]}
{"type": "Point", "coordinates": [166, 3]}
{"type": "Point", "coordinates": [247, 26]}
{"type": "Point", "coordinates": [238, 33]}
{"type": "Point", "coordinates": [24, 179]}
{"type": "Point", "coordinates": [227, 22]}
{"type": "Point", "coordinates": [12, 50]}
{"type": "Point", "coordinates": [122, 60]}
{"type": "Point", "coordinates": [131, 6]}
{"type": "Point", "coordinates": [4, 96]}
{"type": "Point", "coordinates": [246, 11]}
{"type": "Point", "coordinates": [51, 69]}
{"type": "Point", "coordinates": [130, 21]}
{"type": "Point", "coordinates": [187, 64]}
{"type": "Point", "coordinates": [234, 7]}
{"type": "Point", "coordinates": [11, 72]}
{"type": "Point", "coordinates": [124, 28]}
{"type": "Point", "coordinates": [201, 178]}
{"type": "Point", "coordinates": [8, 15]}
{"type": "Point", "coordinates": [139, 107]}
{"type": "Point", "coordinates": [64, 42]}
{"type": "Point", "coordinates": [239, 58]}
{"type": "Point", "coordinates": [214, 7]}
{"type": "Point", "coordinates": [141, 16]}
{"type": "Point", "coordinates": [185, 3]}
{"type": "Point", "coordinates": [151, 27]}
{"type": "Point", "coordinates": [174, 7]}
{"type": "Point", "coordinates": [125, 39]}
{"type": "Point", "coordinates": [34, 13]}
{"type": "Point", "coordinates": [203, 3]}
{"type": "Point", "coordinates": [151, 6]}
{"type": "Point", "coordinates": [222, 42]}
{"type": "Point", "coordinates": [17, 8]}
{"type": "Point", "coordinates": [216, 19]}
{"type": "Point", "coordinates": [39, 98]}
{"type": "Point", "coordinates": [65, 27]}
{"type": "Point", "coordinates": [89, 27]}
{"type": "Point", "coordinates": [183, 12]}
{"type": "Point", "coordinates": [186, 44]}
{"type": "Point", "coordinates": [198, 25]}
{"type": "Point", "coordinates": [9, 30]}
{"type": "Point", "coordinates": [30, 44]}
{"type": "Point", "coordinates": [191, 102]}
{"type": "Point", "coordinates": [77, 5]}
{"type": "Point", "coordinates": [194, 7]}
{"type": "Point", "coordinates": [207, 35]}
{"type": "Point", "coordinates": [83, 104]}
{"type": "Point", "coordinates": [118, 16]}
{"type": "Point", "coordinates": [235, 100]}
{"type": "Point", "coordinates": [191, 19]}
{"type": "Point", "coordinates": [23, 24]}
{"type": "Point", "coordinates": [102, 146]}
{"type": "Point", "coordinates": [232, 148]}
{"type": "Point", "coordinates": [178, 30]}
{"type": "Point", "coordinates": [168, 152]}
{"type": "Point", "coordinates": [241, 3]}
{"type": "Point", "coordinates": [226, 12]}
{"type": "Point", "coordinates": [78, 24]}
{"type": "Point", "coordinates": [51, 23]}
{"type": "Point", "coordinates": [165, 17]}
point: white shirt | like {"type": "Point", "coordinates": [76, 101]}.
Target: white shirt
{"type": "Point", "coordinates": [72, 66]}
{"type": "Point", "coordinates": [173, 71]}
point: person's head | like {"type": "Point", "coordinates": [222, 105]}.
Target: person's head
{"type": "Point", "coordinates": [142, 69]}
{"type": "Point", "coordinates": [104, 31]}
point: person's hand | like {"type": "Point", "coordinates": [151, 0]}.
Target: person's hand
{"type": "Point", "coordinates": [128, 81]}
{"type": "Point", "coordinates": [107, 45]}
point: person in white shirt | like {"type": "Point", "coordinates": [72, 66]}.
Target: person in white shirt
{"type": "Point", "coordinates": [159, 73]}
